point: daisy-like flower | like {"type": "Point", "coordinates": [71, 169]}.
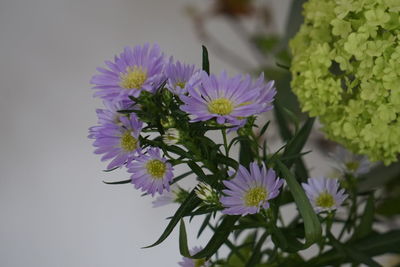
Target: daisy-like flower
{"type": "Point", "coordinates": [228, 100]}
{"type": "Point", "coordinates": [175, 195]}
{"type": "Point", "coordinates": [117, 141]}
{"type": "Point", "coordinates": [248, 192]}
{"type": "Point", "coordinates": [324, 193]}
{"type": "Point", "coordinates": [347, 162]}
{"type": "Point", "coordinates": [267, 93]}
{"type": "Point", "coordinates": [135, 69]}
{"type": "Point", "coordinates": [151, 172]}
{"type": "Point", "coordinates": [111, 114]}
{"type": "Point", "coordinates": [180, 76]}
{"type": "Point", "coordinates": [171, 136]}
{"type": "Point", "coordinates": [188, 262]}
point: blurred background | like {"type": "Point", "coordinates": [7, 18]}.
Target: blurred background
{"type": "Point", "coordinates": [55, 210]}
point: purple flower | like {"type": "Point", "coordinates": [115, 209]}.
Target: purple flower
{"type": "Point", "coordinates": [169, 197]}
{"type": "Point", "coordinates": [267, 93]}
{"type": "Point", "coordinates": [180, 76]}
{"type": "Point", "coordinates": [248, 192]}
{"type": "Point", "coordinates": [347, 162]}
{"type": "Point", "coordinates": [188, 262]}
{"type": "Point", "coordinates": [117, 141]}
{"type": "Point", "coordinates": [324, 193]}
{"type": "Point", "coordinates": [151, 172]}
{"type": "Point", "coordinates": [228, 100]}
{"type": "Point", "coordinates": [136, 69]}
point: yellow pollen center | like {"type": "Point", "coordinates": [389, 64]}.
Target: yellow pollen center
{"type": "Point", "coordinates": [181, 84]}
{"type": "Point", "coordinates": [325, 200]}
{"type": "Point", "coordinates": [254, 196]}
{"type": "Point", "coordinates": [352, 165]}
{"type": "Point", "coordinates": [199, 262]}
{"type": "Point", "coordinates": [156, 168]}
{"type": "Point", "coordinates": [128, 142]}
{"type": "Point", "coordinates": [134, 78]}
{"type": "Point", "coordinates": [220, 106]}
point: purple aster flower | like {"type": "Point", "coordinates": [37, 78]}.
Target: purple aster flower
{"type": "Point", "coordinates": [180, 76]}
{"type": "Point", "coordinates": [324, 193]}
{"type": "Point", "coordinates": [228, 100]}
{"type": "Point", "coordinates": [188, 262]}
{"type": "Point", "coordinates": [347, 162]}
{"type": "Point", "coordinates": [135, 69]}
{"type": "Point", "coordinates": [111, 114]}
{"type": "Point", "coordinates": [267, 93]}
{"type": "Point", "coordinates": [248, 192]}
{"type": "Point", "coordinates": [168, 197]}
{"type": "Point", "coordinates": [151, 172]}
{"type": "Point", "coordinates": [117, 141]}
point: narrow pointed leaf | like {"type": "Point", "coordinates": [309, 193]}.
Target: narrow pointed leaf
{"type": "Point", "coordinates": [183, 244]}
{"type": "Point", "coordinates": [312, 226]}
{"type": "Point", "coordinates": [206, 63]}
{"type": "Point", "coordinates": [119, 182]}
{"type": "Point", "coordinates": [367, 219]}
{"type": "Point", "coordinates": [187, 206]}
{"type": "Point", "coordinates": [221, 234]}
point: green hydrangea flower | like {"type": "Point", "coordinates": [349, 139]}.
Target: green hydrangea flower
{"type": "Point", "coordinates": [346, 71]}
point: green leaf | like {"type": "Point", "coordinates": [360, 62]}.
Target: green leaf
{"type": "Point", "coordinates": [312, 226]}
{"type": "Point", "coordinates": [373, 245]}
{"type": "Point", "coordinates": [256, 255]}
{"type": "Point", "coordinates": [221, 234]}
{"type": "Point", "coordinates": [283, 124]}
{"type": "Point", "coordinates": [204, 224]}
{"type": "Point", "coordinates": [199, 172]}
{"type": "Point", "coordinates": [187, 206]}
{"type": "Point", "coordinates": [367, 219]}
{"type": "Point", "coordinates": [297, 143]}
{"type": "Point", "coordinates": [246, 154]}
{"type": "Point", "coordinates": [119, 182]}
{"type": "Point", "coordinates": [206, 63]}
{"type": "Point", "coordinates": [183, 244]}
{"type": "Point", "coordinates": [352, 253]}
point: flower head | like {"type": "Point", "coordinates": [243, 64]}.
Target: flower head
{"type": "Point", "coordinates": [135, 69]}
{"type": "Point", "coordinates": [151, 172]}
{"type": "Point", "coordinates": [175, 195]}
{"type": "Point", "coordinates": [228, 100]}
{"type": "Point", "coordinates": [347, 162]}
{"type": "Point", "coordinates": [345, 70]}
{"type": "Point", "coordinates": [206, 193]}
{"type": "Point", "coordinates": [188, 262]}
{"type": "Point", "coordinates": [248, 192]}
{"type": "Point", "coordinates": [171, 136]}
{"type": "Point", "coordinates": [180, 76]}
{"type": "Point", "coordinates": [118, 141]}
{"type": "Point", "coordinates": [324, 193]}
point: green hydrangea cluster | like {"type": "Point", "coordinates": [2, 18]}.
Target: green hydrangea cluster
{"type": "Point", "coordinates": [346, 70]}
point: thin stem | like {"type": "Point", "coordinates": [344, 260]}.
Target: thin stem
{"type": "Point", "coordinates": [223, 131]}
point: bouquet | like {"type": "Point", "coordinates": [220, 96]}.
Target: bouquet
{"type": "Point", "coordinates": [161, 113]}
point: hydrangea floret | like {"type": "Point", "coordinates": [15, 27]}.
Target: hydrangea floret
{"type": "Point", "coordinates": [345, 70]}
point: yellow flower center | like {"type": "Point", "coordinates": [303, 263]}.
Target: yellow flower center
{"type": "Point", "coordinates": [325, 200]}
{"type": "Point", "coordinates": [181, 84]}
{"type": "Point", "coordinates": [221, 106]}
{"type": "Point", "coordinates": [199, 262]}
{"type": "Point", "coordinates": [352, 165]}
{"type": "Point", "coordinates": [254, 196]}
{"type": "Point", "coordinates": [156, 168]}
{"type": "Point", "coordinates": [134, 78]}
{"type": "Point", "coordinates": [128, 142]}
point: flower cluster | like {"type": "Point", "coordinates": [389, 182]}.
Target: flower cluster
{"type": "Point", "coordinates": [144, 69]}
{"type": "Point", "coordinates": [157, 115]}
{"type": "Point", "coordinates": [345, 70]}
